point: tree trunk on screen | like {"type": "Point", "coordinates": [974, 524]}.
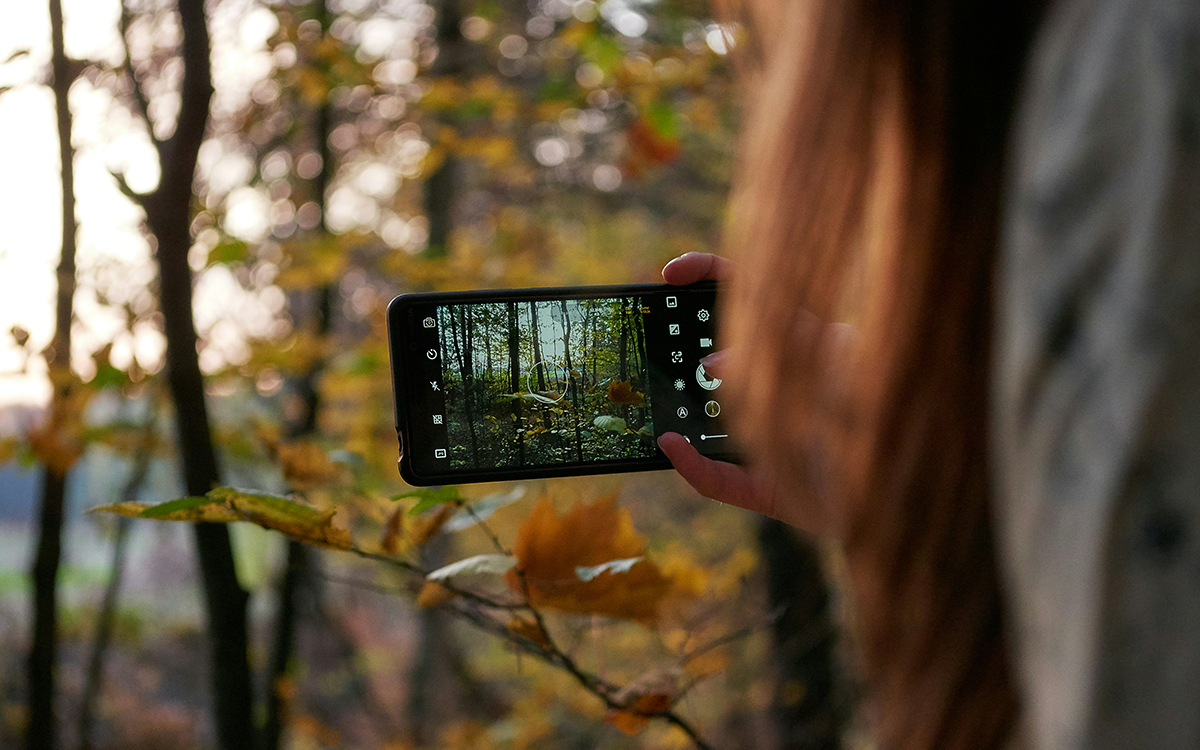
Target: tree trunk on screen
{"type": "Point", "coordinates": [168, 215]}
{"type": "Point", "coordinates": [43, 653]}
{"type": "Point", "coordinates": [572, 383]}
{"type": "Point", "coordinates": [537, 347]}
{"type": "Point", "coordinates": [464, 375]}
{"type": "Point", "coordinates": [514, 376]}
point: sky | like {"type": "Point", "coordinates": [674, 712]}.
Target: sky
{"type": "Point", "coordinates": [111, 249]}
{"type": "Point", "coordinates": [30, 232]}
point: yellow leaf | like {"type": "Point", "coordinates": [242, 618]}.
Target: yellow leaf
{"type": "Point", "coordinates": [306, 466]}
{"type": "Point", "coordinates": [289, 517]}
{"type": "Point", "coordinates": [225, 505]}
{"type": "Point", "coordinates": [312, 85]}
{"type": "Point", "coordinates": [424, 528]}
{"type": "Point", "coordinates": [443, 93]}
{"type": "Point", "coordinates": [393, 531]}
{"type": "Point", "coordinates": [8, 449]}
{"type": "Point", "coordinates": [433, 594]}
{"type": "Point", "coordinates": [707, 663]}
{"type": "Point", "coordinates": [59, 442]}
{"type": "Point", "coordinates": [189, 509]}
{"type": "Point", "coordinates": [550, 548]}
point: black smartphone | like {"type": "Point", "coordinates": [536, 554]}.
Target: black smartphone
{"type": "Point", "coordinates": [524, 383]}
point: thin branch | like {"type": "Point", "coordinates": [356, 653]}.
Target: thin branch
{"type": "Point", "coordinates": [470, 606]}
{"type": "Point", "coordinates": [486, 529]}
{"type": "Point", "coordinates": [135, 86]}
{"type": "Point", "coordinates": [138, 198]}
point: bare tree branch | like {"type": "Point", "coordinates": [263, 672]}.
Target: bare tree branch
{"type": "Point", "coordinates": [127, 191]}
{"type": "Point", "coordinates": [135, 86]}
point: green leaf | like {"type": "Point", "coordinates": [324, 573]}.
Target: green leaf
{"type": "Point", "coordinates": [602, 51]}
{"type": "Point", "coordinates": [228, 251]}
{"type": "Point", "coordinates": [429, 497]}
{"type": "Point", "coordinates": [588, 572]}
{"type": "Point", "coordinates": [662, 118]}
{"type": "Point", "coordinates": [493, 564]}
{"type": "Point", "coordinates": [173, 506]}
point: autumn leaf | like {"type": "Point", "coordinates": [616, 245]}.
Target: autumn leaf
{"type": "Point", "coordinates": [393, 531]}
{"type": "Point", "coordinates": [529, 629]}
{"type": "Point", "coordinates": [551, 548]}
{"type": "Point", "coordinates": [429, 497]}
{"type": "Point", "coordinates": [306, 466]}
{"type": "Point", "coordinates": [433, 594]}
{"type": "Point", "coordinates": [59, 442]}
{"type": "Point", "coordinates": [225, 505]}
{"type": "Point", "coordinates": [621, 392]}
{"type": "Point", "coordinates": [424, 528]}
{"type": "Point", "coordinates": [649, 694]}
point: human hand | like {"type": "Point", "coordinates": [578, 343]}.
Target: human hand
{"type": "Point", "coordinates": [722, 481]}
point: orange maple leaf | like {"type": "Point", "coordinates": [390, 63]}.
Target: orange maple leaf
{"type": "Point", "coordinates": [550, 547]}
{"type": "Point", "coordinates": [621, 392]}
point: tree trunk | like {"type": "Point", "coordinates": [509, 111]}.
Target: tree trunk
{"type": "Point", "coordinates": [168, 215]}
{"type": "Point", "coordinates": [43, 652]}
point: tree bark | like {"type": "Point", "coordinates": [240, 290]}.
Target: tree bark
{"type": "Point", "coordinates": [168, 215]}
{"type": "Point", "coordinates": [43, 653]}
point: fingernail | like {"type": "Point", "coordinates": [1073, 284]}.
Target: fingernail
{"type": "Point", "coordinates": [713, 362]}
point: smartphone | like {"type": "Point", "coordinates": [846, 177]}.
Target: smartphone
{"type": "Point", "coordinates": [524, 383]}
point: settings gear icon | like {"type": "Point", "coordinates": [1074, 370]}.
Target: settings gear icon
{"type": "Point", "coordinates": [679, 384]}
{"type": "Point", "coordinates": [703, 315]}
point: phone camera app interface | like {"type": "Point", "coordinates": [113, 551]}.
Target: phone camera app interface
{"type": "Point", "coordinates": [532, 383]}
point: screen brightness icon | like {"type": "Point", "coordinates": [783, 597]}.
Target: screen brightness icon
{"type": "Point", "coordinates": [679, 384]}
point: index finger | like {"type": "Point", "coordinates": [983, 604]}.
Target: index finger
{"type": "Point", "coordinates": [692, 267]}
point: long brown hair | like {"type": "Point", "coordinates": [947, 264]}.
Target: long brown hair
{"type": "Point", "coordinates": [869, 187]}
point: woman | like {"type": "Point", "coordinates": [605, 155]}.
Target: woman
{"type": "Point", "coordinates": [1021, 398]}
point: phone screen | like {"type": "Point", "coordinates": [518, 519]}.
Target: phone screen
{"type": "Point", "coordinates": [551, 382]}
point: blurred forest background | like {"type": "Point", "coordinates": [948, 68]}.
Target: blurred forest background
{"type": "Point", "coordinates": [205, 209]}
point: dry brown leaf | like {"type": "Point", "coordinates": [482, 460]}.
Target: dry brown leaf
{"type": "Point", "coordinates": [393, 531]}
{"type": "Point", "coordinates": [621, 392]}
{"type": "Point", "coordinates": [550, 547]}
{"type": "Point", "coordinates": [306, 466]}
{"type": "Point", "coordinates": [425, 527]}
{"type": "Point", "coordinates": [530, 630]}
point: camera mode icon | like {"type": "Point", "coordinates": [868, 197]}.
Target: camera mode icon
{"type": "Point", "coordinates": [429, 323]}
{"type": "Point", "coordinates": [439, 452]}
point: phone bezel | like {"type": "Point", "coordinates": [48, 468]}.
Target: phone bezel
{"type": "Point", "coordinates": [398, 344]}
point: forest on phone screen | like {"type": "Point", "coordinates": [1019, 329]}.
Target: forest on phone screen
{"type": "Point", "coordinates": [536, 383]}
